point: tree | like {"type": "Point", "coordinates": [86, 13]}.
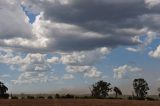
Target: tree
{"type": "Point", "coordinates": [117, 91]}
{"type": "Point", "coordinates": [159, 92]}
{"type": "Point", "coordinates": [3, 90]}
{"type": "Point", "coordinates": [57, 96]}
{"type": "Point", "coordinates": [141, 87]}
{"type": "Point", "coordinates": [100, 89]}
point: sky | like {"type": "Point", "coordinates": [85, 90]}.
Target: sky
{"type": "Point", "coordinates": [64, 46]}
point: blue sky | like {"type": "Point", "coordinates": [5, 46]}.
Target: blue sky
{"type": "Point", "coordinates": [64, 46]}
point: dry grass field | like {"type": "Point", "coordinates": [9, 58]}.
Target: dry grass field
{"type": "Point", "coordinates": [77, 102]}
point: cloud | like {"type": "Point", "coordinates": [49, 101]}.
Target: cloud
{"type": "Point", "coordinates": [68, 77]}
{"type": "Point", "coordinates": [155, 53]}
{"type": "Point", "coordinates": [53, 60]}
{"type": "Point", "coordinates": [85, 57]}
{"type": "Point", "coordinates": [84, 61]}
{"type": "Point", "coordinates": [89, 25]}
{"type": "Point", "coordinates": [151, 36]}
{"type": "Point", "coordinates": [16, 32]}
{"type": "Point", "coordinates": [33, 67]}
{"type": "Point", "coordinates": [123, 71]}
{"type": "Point", "coordinates": [93, 73]}
{"type": "Point", "coordinates": [35, 77]}
{"type": "Point", "coordinates": [80, 39]}
{"type": "Point", "coordinates": [31, 62]}
{"type": "Point", "coordinates": [132, 49]}
{"type": "Point", "coordinates": [79, 25]}
{"type": "Point", "coordinates": [10, 19]}
{"type": "Point", "coordinates": [85, 29]}
{"type": "Point", "coordinates": [31, 77]}
{"type": "Point", "coordinates": [89, 71]}
{"type": "Point", "coordinates": [152, 3]}
{"type": "Point", "coordinates": [82, 32]}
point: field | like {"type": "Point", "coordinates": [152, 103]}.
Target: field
{"type": "Point", "coordinates": [77, 102]}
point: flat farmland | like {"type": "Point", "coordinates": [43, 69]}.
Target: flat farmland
{"type": "Point", "coordinates": [77, 102]}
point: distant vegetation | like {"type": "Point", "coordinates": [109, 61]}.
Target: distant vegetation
{"type": "Point", "coordinates": [99, 90]}
{"type": "Point", "coordinates": [30, 97]}
{"type": "Point", "coordinates": [49, 97]}
{"type": "Point", "coordinates": [14, 97]}
{"type": "Point", "coordinates": [68, 96]}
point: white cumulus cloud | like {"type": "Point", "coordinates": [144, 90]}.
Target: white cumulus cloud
{"type": "Point", "coordinates": [122, 71]}
{"type": "Point", "coordinates": [155, 53]}
{"type": "Point", "coordinates": [89, 71]}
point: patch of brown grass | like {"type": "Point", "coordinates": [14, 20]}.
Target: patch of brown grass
{"type": "Point", "coordinates": [77, 102]}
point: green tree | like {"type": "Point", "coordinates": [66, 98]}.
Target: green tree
{"type": "Point", "coordinates": [117, 91]}
{"type": "Point", "coordinates": [159, 92]}
{"type": "Point", "coordinates": [140, 87]}
{"type": "Point", "coordinates": [100, 89]}
{"type": "Point", "coordinates": [3, 90]}
{"type": "Point", "coordinates": [57, 96]}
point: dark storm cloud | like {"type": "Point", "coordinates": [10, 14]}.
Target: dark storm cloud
{"type": "Point", "coordinates": [79, 44]}
{"type": "Point", "coordinates": [101, 16]}
{"type": "Point", "coordinates": [69, 24]}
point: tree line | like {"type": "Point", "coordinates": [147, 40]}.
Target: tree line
{"type": "Point", "coordinates": [100, 89]}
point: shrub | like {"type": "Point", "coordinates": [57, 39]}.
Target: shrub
{"type": "Point", "coordinates": [22, 97]}
{"type": "Point", "coordinates": [57, 96]}
{"type": "Point", "coordinates": [30, 97]}
{"type": "Point", "coordinates": [86, 97]}
{"type": "Point", "coordinates": [49, 97]}
{"type": "Point", "coordinates": [68, 96]}
{"type": "Point", "coordinates": [130, 98]}
{"type": "Point", "coordinates": [41, 97]}
{"type": "Point", "coordinates": [4, 96]}
{"type": "Point", "coordinates": [135, 98]}
{"type": "Point", "coordinates": [114, 98]}
{"type": "Point", "coordinates": [150, 99]}
{"type": "Point", "coordinates": [14, 97]}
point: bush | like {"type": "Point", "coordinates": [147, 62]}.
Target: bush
{"type": "Point", "coordinates": [22, 97]}
{"type": "Point", "coordinates": [114, 98]}
{"type": "Point", "coordinates": [86, 97]}
{"type": "Point", "coordinates": [41, 97]}
{"type": "Point", "coordinates": [150, 99]}
{"type": "Point", "coordinates": [68, 96]}
{"type": "Point", "coordinates": [30, 97]}
{"type": "Point", "coordinates": [14, 97]}
{"type": "Point", "coordinates": [130, 98]}
{"type": "Point", "coordinates": [49, 97]}
{"type": "Point", "coordinates": [4, 96]}
{"type": "Point", "coordinates": [57, 96]}
{"type": "Point", "coordinates": [135, 98]}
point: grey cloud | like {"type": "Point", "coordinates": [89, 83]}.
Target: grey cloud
{"type": "Point", "coordinates": [116, 21]}
{"type": "Point", "coordinates": [78, 25]}
{"type": "Point", "coordinates": [99, 15]}
{"type": "Point", "coordinates": [79, 44]}
{"type": "Point", "coordinates": [13, 22]}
